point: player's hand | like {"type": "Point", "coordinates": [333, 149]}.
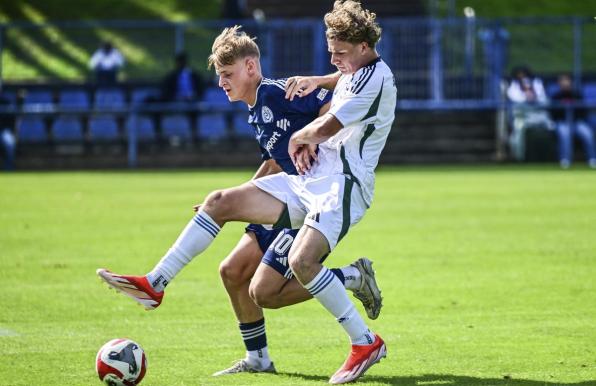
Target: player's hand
{"type": "Point", "coordinates": [307, 155]}
{"type": "Point", "coordinates": [303, 157]}
{"type": "Point", "coordinates": [300, 85]}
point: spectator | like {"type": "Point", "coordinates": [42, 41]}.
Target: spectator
{"type": "Point", "coordinates": [526, 92]}
{"type": "Point", "coordinates": [182, 84]}
{"type": "Point", "coordinates": [577, 126]}
{"type": "Point", "coordinates": [7, 138]}
{"type": "Point", "coordinates": [106, 62]}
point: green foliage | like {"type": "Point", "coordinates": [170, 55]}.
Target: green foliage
{"type": "Point", "coordinates": [63, 52]}
{"type": "Point", "coordinates": [487, 273]}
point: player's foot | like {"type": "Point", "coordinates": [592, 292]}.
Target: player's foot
{"type": "Point", "coordinates": [135, 287]}
{"type": "Point", "coordinates": [368, 293]}
{"type": "Point", "coordinates": [242, 366]}
{"type": "Point", "coordinates": [361, 358]}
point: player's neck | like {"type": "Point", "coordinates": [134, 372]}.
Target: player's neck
{"type": "Point", "coordinates": [251, 95]}
{"type": "Point", "coordinates": [369, 58]}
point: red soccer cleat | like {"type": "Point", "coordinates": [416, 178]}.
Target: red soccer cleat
{"type": "Point", "coordinates": [361, 358]}
{"type": "Point", "coordinates": [135, 287]}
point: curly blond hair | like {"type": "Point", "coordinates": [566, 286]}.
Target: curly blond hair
{"type": "Point", "coordinates": [349, 22]}
{"type": "Point", "coordinates": [231, 45]}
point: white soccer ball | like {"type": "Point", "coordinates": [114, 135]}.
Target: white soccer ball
{"type": "Point", "coordinates": [121, 362]}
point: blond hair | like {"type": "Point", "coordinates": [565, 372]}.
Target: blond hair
{"type": "Point", "coordinates": [231, 45]}
{"type": "Point", "coordinates": [349, 22]}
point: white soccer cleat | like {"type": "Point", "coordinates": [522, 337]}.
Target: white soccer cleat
{"type": "Point", "coordinates": [135, 287]}
{"type": "Point", "coordinates": [368, 293]}
{"type": "Point", "coordinates": [242, 366]}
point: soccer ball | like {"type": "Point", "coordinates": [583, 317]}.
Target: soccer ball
{"type": "Point", "coordinates": [121, 362]}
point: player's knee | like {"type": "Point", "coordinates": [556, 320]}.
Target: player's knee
{"type": "Point", "coordinates": [298, 264]}
{"type": "Point", "coordinates": [263, 296]}
{"type": "Point", "coordinates": [220, 203]}
{"type": "Point", "coordinates": [230, 273]}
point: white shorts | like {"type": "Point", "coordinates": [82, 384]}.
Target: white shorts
{"type": "Point", "coordinates": [331, 204]}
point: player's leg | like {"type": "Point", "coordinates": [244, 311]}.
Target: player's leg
{"type": "Point", "coordinates": [243, 203]}
{"type": "Point", "coordinates": [367, 347]}
{"type": "Point", "coordinates": [273, 285]}
{"type": "Point", "coordinates": [584, 132]}
{"type": "Point", "coordinates": [236, 271]}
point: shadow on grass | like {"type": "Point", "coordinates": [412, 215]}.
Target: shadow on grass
{"type": "Point", "coordinates": [442, 379]}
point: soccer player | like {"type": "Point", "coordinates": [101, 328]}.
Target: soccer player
{"type": "Point", "coordinates": [235, 57]}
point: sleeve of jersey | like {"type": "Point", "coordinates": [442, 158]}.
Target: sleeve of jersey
{"type": "Point", "coordinates": [356, 103]}
{"type": "Point", "coordinates": [312, 103]}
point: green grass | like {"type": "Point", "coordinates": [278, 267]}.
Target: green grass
{"type": "Point", "coordinates": [488, 277]}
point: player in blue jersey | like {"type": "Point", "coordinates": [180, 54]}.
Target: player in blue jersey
{"type": "Point", "coordinates": [275, 118]}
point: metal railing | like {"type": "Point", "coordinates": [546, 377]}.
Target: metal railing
{"type": "Point", "coordinates": [435, 60]}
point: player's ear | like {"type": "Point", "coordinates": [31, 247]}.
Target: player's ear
{"type": "Point", "coordinates": [363, 47]}
{"type": "Point", "coordinates": [251, 66]}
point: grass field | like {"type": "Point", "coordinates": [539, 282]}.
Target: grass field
{"type": "Point", "coordinates": [488, 275]}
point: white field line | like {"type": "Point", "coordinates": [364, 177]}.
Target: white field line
{"type": "Point", "coordinates": [7, 332]}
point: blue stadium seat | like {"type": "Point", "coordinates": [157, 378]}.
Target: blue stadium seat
{"type": "Point", "coordinates": [38, 96]}
{"type": "Point", "coordinates": [241, 126]}
{"type": "Point", "coordinates": [109, 98]}
{"type": "Point", "coordinates": [551, 89]}
{"type": "Point", "coordinates": [32, 129]}
{"type": "Point", "coordinates": [176, 126]}
{"type": "Point", "coordinates": [11, 95]}
{"type": "Point", "coordinates": [74, 100]}
{"type": "Point", "coordinates": [139, 95]}
{"type": "Point", "coordinates": [211, 126]}
{"type": "Point", "coordinates": [67, 128]}
{"type": "Point", "coordinates": [215, 96]}
{"type": "Point", "coordinates": [145, 128]}
{"type": "Point", "coordinates": [590, 92]}
{"type": "Point", "coordinates": [103, 128]}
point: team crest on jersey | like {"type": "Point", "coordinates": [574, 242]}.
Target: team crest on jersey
{"type": "Point", "coordinates": [267, 114]}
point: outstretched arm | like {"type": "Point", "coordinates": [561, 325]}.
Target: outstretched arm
{"type": "Point", "coordinates": [304, 85]}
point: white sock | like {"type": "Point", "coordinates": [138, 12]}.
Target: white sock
{"type": "Point", "coordinates": [352, 277]}
{"type": "Point", "coordinates": [330, 292]}
{"type": "Point", "coordinates": [194, 239]}
{"type": "Point", "coordinates": [259, 358]}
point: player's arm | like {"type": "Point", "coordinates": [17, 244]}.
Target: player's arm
{"type": "Point", "coordinates": [303, 142]}
{"type": "Point", "coordinates": [323, 110]}
{"type": "Point", "coordinates": [267, 167]}
{"type": "Point", "coordinates": [304, 85]}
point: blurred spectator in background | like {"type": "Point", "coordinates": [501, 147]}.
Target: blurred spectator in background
{"type": "Point", "coordinates": [182, 84]}
{"type": "Point", "coordinates": [7, 138]}
{"type": "Point", "coordinates": [577, 126]}
{"type": "Point", "coordinates": [106, 62]}
{"type": "Point", "coordinates": [527, 94]}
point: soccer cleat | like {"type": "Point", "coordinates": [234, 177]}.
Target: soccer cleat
{"type": "Point", "coordinates": [135, 287]}
{"type": "Point", "coordinates": [361, 358]}
{"type": "Point", "coordinates": [368, 293]}
{"type": "Point", "coordinates": [242, 366]}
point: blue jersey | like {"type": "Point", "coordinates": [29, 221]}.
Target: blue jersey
{"type": "Point", "coordinates": [276, 118]}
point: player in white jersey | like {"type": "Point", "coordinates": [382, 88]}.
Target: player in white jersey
{"type": "Point", "coordinates": [332, 193]}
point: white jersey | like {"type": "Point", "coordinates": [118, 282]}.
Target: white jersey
{"type": "Point", "coordinates": [364, 103]}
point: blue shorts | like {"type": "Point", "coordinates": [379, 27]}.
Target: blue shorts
{"type": "Point", "coordinates": [276, 246]}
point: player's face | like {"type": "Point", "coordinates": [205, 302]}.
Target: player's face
{"type": "Point", "coordinates": [234, 80]}
{"type": "Point", "coordinates": [347, 57]}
